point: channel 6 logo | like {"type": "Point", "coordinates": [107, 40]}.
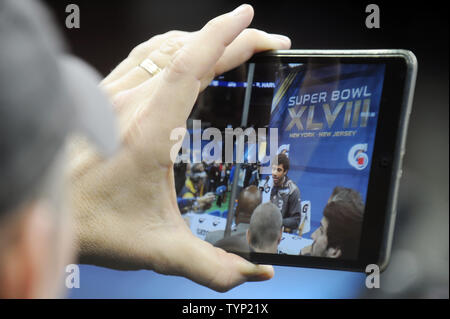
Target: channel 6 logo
{"type": "Point", "coordinates": [357, 156]}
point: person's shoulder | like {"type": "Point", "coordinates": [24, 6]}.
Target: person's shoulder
{"type": "Point", "coordinates": [293, 188]}
{"type": "Point", "coordinates": [237, 242]}
{"type": "Point", "coordinates": [214, 236]}
{"type": "Point", "coordinates": [241, 228]}
{"type": "Point", "coordinates": [186, 192]}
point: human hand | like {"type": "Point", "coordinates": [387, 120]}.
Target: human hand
{"type": "Point", "coordinates": [208, 198]}
{"type": "Point", "coordinates": [125, 207]}
{"type": "Point", "coordinates": [205, 201]}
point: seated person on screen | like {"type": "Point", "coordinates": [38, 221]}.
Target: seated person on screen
{"type": "Point", "coordinates": [263, 235]}
{"type": "Point", "coordinates": [285, 194]}
{"type": "Point", "coordinates": [341, 194]}
{"type": "Point", "coordinates": [339, 233]}
{"type": "Point", "coordinates": [348, 195]}
{"type": "Point", "coordinates": [195, 187]}
{"type": "Point", "coordinates": [248, 200]}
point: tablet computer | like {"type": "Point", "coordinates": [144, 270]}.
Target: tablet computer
{"type": "Point", "coordinates": [295, 157]}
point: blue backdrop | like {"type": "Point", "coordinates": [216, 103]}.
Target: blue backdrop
{"type": "Point", "coordinates": [328, 115]}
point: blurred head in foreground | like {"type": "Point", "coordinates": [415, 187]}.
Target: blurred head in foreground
{"type": "Point", "coordinates": [44, 96]}
{"type": "Point", "coordinates": [266, 228]}
{"type": "Point", "coordinates": [249, 199]}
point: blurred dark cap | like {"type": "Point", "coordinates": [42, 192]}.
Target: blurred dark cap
{"type": "Point", "coordinates": [45, 94]}
{"type": "Point", "coordinates": [197, 168]}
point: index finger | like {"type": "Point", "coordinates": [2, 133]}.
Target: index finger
{"type": "Point", "coordinates": [171, 94]}
{"type": "Point", "coordinates": [201, 54]}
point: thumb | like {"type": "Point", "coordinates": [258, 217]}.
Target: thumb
{"type": "Point", "coordinates": [253, 272]}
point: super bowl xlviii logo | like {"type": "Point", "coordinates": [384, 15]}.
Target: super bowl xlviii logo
{"type": "Point", "coordinates": [357, 156]}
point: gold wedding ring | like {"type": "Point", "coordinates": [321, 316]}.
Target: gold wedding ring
{"type": "Point", "coordinates": [149, 66]}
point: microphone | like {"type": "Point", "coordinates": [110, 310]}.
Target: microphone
{"type": "Point", "coordinates": [265, 183]}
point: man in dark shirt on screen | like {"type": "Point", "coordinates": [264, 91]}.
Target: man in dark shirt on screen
{"type": "Point", "coordinates": [285, 194]}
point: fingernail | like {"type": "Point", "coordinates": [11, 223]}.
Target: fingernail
{"type": "Point", "coordinates": [266, 271]}
{"type": "Point", "coordinates": [239, 10]}
{"type": "Point", "coordinates": [282, 38]}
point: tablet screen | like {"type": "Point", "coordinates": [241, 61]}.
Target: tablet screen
{"type": "Point", "coordinates": [298, 185]}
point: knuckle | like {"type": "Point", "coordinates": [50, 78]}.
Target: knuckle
{"type": "Point", "coordinates": [250, 33]}
{"type": "Point", "coordinates": [137, 50]}
{"type": "Point", "coordinates": [174, 33]}
{"type": "Point", "coordinates": [144, 47]}
{"type": "Point", "coordinates": [141, 49]}
{"type": "Point", "coordinates": [214, 25]}
{"type": "Point", "coordinates": [156, 38]}
{"type": "Point", "coordinates": [119, 99]}
{"type": "Point", "coordinates": [170, 46]}
{"type": "Point", "coordinates": [254, 35]}
{"type": "Point", "coordinates": [179, 64]}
